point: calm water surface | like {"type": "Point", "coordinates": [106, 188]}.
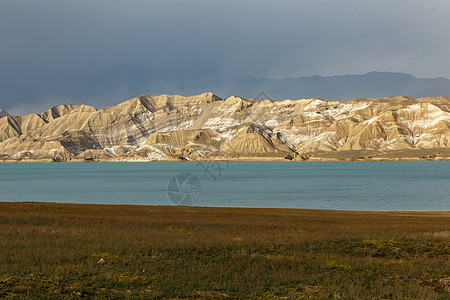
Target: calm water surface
{"type": "Point", "coordinates": [327, 185]}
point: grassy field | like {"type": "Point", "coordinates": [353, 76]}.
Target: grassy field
{"type": "Point", "coordinates": [95, 251]}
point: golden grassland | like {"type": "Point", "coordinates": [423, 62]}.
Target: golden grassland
{"type": "Point", "coordinates": [101, 251]}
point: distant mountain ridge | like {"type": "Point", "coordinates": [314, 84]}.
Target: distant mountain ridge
{"type": "Point", "coordinates": [343, 87]}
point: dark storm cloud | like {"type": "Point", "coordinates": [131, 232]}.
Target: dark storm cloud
{"type": "Point", "coordinates": [101, 52]}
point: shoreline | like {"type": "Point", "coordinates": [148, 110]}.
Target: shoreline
{"type": "Point", "coordinates": [221, 160]}
{"type": "Point", "coordinates": [273, 209]}
{"type": "Point", "coordinates": [430, 154]}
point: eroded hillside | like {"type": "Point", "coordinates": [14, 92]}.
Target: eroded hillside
{"type": "Point", "coordinates": [206, 127]}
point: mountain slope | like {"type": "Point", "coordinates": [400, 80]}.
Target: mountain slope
{"type": "Point", "coordinates": [206, 127]}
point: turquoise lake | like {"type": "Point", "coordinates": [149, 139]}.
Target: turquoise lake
{"type": "Point", "coordinates": [421, 185]}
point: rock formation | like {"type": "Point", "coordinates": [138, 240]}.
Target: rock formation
{"type": "Point", "coordinates": [206, 127]}
{"type": "Point", "coordinates": [3, 113]}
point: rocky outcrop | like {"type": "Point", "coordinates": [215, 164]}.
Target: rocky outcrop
{"type": "Point", "coordinates": [206, 127]}
{"type": "Point", "coordinates": [3, 113]}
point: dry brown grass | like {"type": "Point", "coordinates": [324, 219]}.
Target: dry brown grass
{"type": "Point", "coordinates": [54, 250]}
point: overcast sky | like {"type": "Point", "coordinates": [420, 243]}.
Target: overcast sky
{"type": "Point", "coordinates": [104, 51]}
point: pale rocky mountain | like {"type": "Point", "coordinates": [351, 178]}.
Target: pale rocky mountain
{"type": "Point", "coordinates": [20, 125]}
{"type": "Point", "coordinates": [206, 127]}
